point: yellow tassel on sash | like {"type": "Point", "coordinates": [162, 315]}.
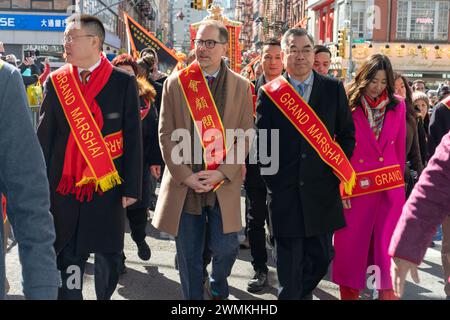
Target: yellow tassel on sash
{"type": "Point", "coordinates": [105, 183]}
{"type": "Point", "coordinates": [348, 186]}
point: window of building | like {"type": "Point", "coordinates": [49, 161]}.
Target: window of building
{"type": "Point", "coordinates": [21, 4]}
{"type": "Point", "coordinates": [39, 5]}
{"type": "Point", "coordinates": [42, 4]}
{"type": "Point", "coordinates": [62, 4]}
{"type": "Point", "coordinates": [360, 24]}
{"type": "Point", "coordinates": [425, 20]}
{"type": "Point", "coordinates": [5, 3]}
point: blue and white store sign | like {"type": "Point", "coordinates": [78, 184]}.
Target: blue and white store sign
{"type": "Point", "coordinates": [32, 22]}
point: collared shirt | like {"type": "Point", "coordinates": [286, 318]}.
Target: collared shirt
{"type": "Point", "coordinates": [214, 75]}
{"type": "Point", "coordinates": [91, 69]}
{"type": "Point", "coordinates": [308, 84]}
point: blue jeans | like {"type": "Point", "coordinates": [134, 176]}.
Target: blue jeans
{"type": "Point", "coordinates": [190, 243]}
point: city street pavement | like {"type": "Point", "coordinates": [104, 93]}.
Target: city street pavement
{"type": "Point", "coordinates": [157, 278]}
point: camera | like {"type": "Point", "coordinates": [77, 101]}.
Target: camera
{"type": "Point", "coordinates": [29, 53]}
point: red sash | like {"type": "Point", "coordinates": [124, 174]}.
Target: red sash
{"type": "Point", "coordinates": [144, 112]}
{"type": "Point", "coordinates": [205, 115]}
{"type": "Point", "coordinates": [306, 121]}
{"type": "Point", "coordinates": [254, 96]}
{"type": "Point", "coordinates": [446, 102]}
{"type": "Point", "coordinates": [4, 208]}
{"type": "Point", "coordinates": [377, 180]}
{"type": "Point", "coordinates": [97, 170]}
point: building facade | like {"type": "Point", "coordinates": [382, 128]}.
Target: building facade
{"type": "Point", "coordinates": [34, 25]}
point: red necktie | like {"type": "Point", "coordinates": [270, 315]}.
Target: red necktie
{"type": "Point", "coordinates": [84, 76]}
{"type": "Point", "coordinates": [210, 81]}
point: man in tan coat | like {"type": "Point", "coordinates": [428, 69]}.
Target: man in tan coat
{"type": "Point", "coordinates": [218, 99]}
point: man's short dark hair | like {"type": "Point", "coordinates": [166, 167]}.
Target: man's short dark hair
{"type": "Point", "coordinates": [92, 23]}
{"type": "Point", "coordinates": [295, 32]}
{"type": "Point", "coordinates": [272, 42]}
{"type": "Point", "coordinates": [318, 48]}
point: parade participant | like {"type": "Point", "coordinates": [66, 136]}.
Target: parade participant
{"type": "Point", "coordinates": [211, 93]}
{"type": "Point", "coordinates": [439, 127]}
{"type": "Point", "coordinates": [137, 213]}
{"type": "Point", "coordinates": [156, 75]}
{"type": "Point", "coordinates": [316, 137]}
{"type": "Point", "coordinates": [90, 133]}
{"type": "Point", "coordinates": [23, 182]}
{"type": "Point", "coordinates": [413, 155]}
{"type": "Point", "coordinates": [372, 211]}
{"type": "Point", "coordinates": [322, 59]}
{"type": "Point", "coordinates": [419, 85]}
{"type": "Point", "coordinates": [255, 188]}
{"type": "Point", "coordinates": [427, 207]}
{"type": "Point", "coordinates": [145, 69]}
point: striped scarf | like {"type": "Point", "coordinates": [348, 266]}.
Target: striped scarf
{"type": "Point", "coordinates": [375, 109]}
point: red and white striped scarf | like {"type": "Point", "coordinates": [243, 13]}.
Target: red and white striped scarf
{"type": "Point", "coordinates": [375, 109]}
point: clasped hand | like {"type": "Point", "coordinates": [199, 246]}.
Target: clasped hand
{"type": "Point", "coordinates": [204, 181]}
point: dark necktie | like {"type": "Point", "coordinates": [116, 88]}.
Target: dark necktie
{"type": "Point", "coordinates": [210, 80]}
{"type": "Point", "coordinates": [84, 76]}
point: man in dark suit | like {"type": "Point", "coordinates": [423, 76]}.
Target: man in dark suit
{"type": "Point", "coordinates": [304, 203]}
{"type": "Point", "coordinates": [88, 210]}
{"type": "Point", "coordinates": [255, 187]}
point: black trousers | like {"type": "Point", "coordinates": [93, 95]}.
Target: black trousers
{"type": "Point", "coordinates": [72, 264]}
{"type": "Point", "coordinates": [152, 189]}
{"type": "Point", "coordinates": [138, 222]}
{"type": "Point", "coordinates": [301, 264]}
{"type": "Point", "coordinates": [257, 215]}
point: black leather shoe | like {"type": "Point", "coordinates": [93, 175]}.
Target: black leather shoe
{"type": "Point", "coordinates": [258, 282]}
{"type": "Point", "coordinates": [144, 251]}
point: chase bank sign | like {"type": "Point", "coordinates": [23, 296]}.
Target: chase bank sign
{"type": "Point", "coordinates": [32, 22]}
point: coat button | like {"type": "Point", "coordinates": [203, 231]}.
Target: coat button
{"type": "Point", "coordinates": [303, 155]}
{"type": "Point", "coordinates": [381, 159]}
{"type": "Point", "coordinates": [361, 161]}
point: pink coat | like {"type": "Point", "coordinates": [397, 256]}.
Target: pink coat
{"type": "Point", "coordinates": [372, 218]}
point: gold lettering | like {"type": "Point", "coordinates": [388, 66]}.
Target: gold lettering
{"type": "Point", "coordinates": [323, 141]}
{"type": "Point", "coordinates": [331, 153]}
{"type": "Point", "coordinates": [378, 180]}
{"type": "Point", "coordinates": [312, 130]}
{"type": "Point", "coordinates": [60, 75]}
{"type": "Point", "coordinates": [81, 124]}
{"type": "Point", "coordinates": [87, 135]}
{"type": "Point", "coordinates": [318, 137]}
{"type": "Point", "coordinates": [285, 97]}
{"type": "Point", "coordinates": [290, 102]}
{"type": "Point", "coordinates": [112, 146]}
{"type": "Point", "coordinates": [336, 158]}
{"type": "Point", "coordinates": [75, 113]}
{"type": "Point", "coordinates": [91, 143]}
{"type": "Point", "coordinates": [94, 151]}
{"type": "Point", "coordinates": [384, 178]}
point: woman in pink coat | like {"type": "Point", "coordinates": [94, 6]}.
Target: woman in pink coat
{"type": "Point", "coordinates": [373, 210]}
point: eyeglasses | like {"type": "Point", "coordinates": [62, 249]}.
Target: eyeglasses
{"type": "Point", "coordinates": [70, 39]}
{"type": "Point", "coordinates": [305, 51]}
{"type": "Point", "coordinates": [209, 44]}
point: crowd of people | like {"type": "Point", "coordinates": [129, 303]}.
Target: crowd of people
{"type": "Point", "coordinates": [359, 184]}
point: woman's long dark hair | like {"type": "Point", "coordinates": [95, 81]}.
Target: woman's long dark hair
{"type": "Point", "coordinates": [411, 114]}
{"type": "Point", "coordinates": [365, 75]}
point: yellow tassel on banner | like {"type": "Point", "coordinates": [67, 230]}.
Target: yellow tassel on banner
{"type": "Point", "coordinates": [105, 183]}
{"type": "Point", "coordinates": [109, 182]}
{"type": "Point", "coordinates": [348, 186]}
